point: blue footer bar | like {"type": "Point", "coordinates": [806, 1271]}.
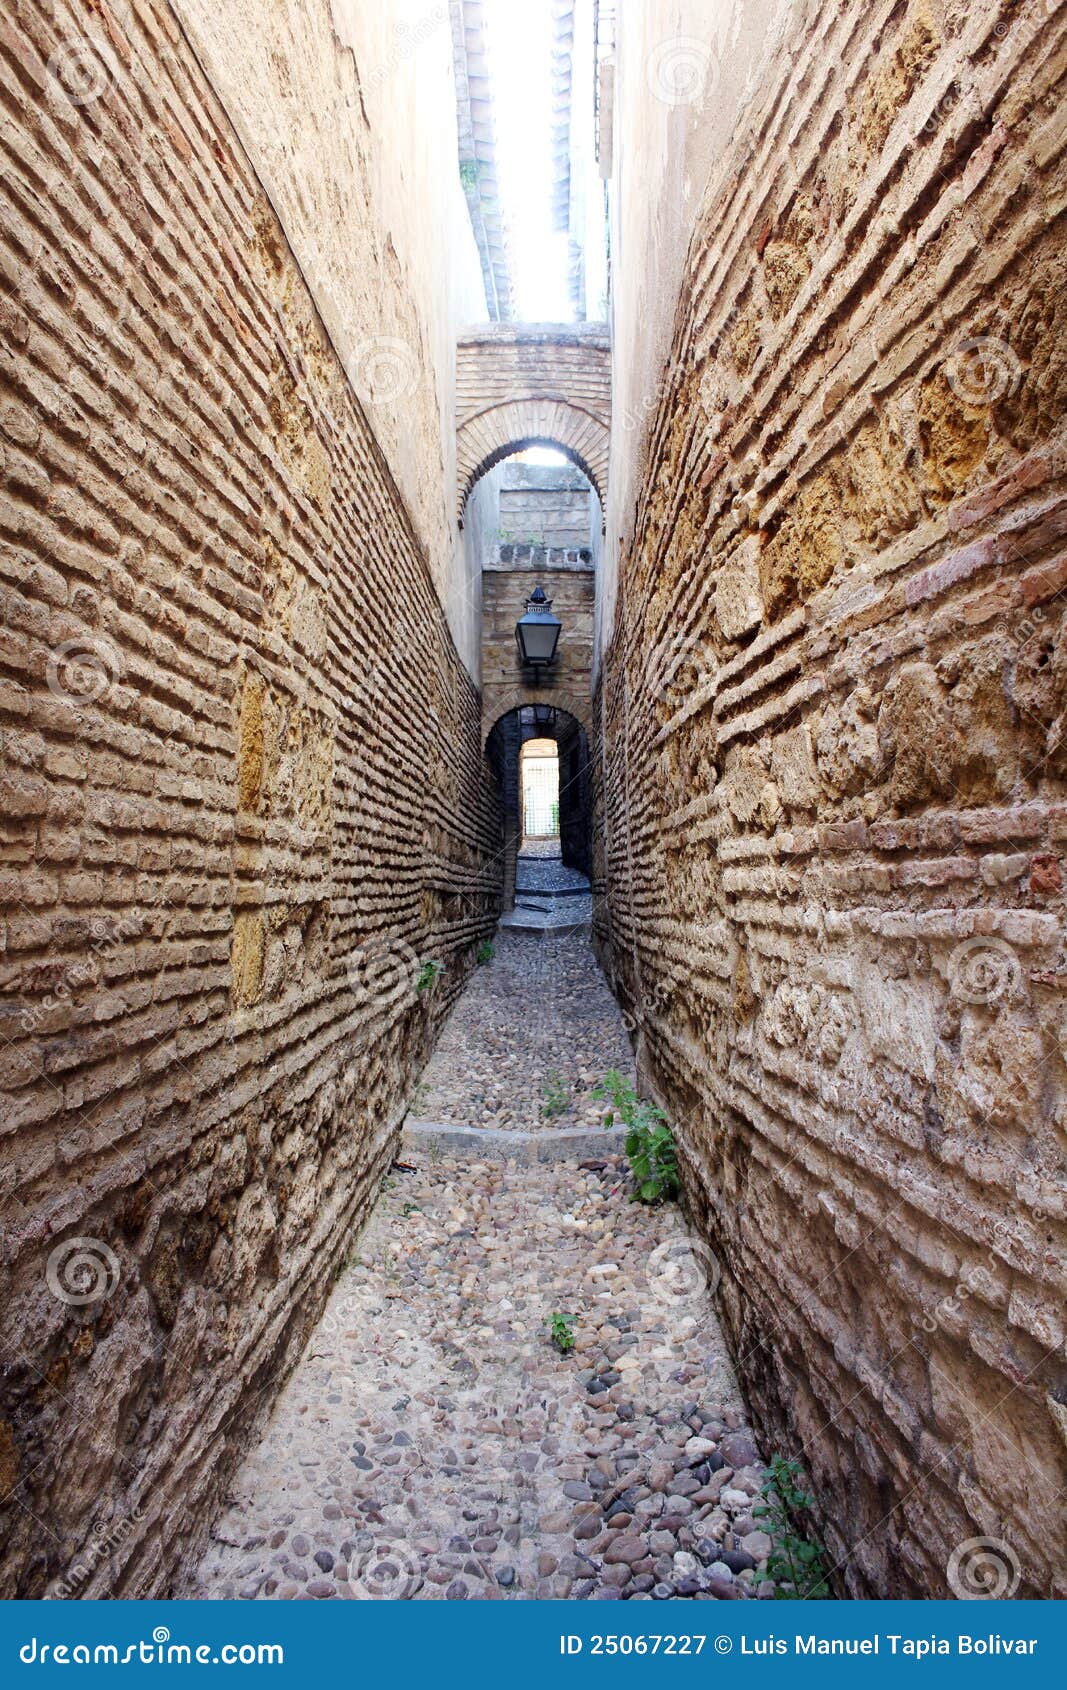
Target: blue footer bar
{"type": "Point", "coordinates": [440, 1644]}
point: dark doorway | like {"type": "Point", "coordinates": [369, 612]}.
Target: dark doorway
{"type": "Point", "coordinates": [516, 729]}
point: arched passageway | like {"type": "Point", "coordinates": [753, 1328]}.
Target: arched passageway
{"type": "Point", "coordinates": [532, 384]}
{"type": "Point", "coordinates": [525, 724]}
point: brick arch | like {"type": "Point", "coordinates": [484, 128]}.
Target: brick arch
{"type": "Point", "coordinates": [580, 708]}
{"type": "Point", "coordinates": [534, 384]}
{"type": "Point", "coordinates": [500, 430]}
{"type": "Point", "coordinates": [576, 797]}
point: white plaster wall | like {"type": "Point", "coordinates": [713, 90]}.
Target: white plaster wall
{"type": "Point", "coordinates": [478, 539]}
{"type": "Point", "coordinates": [685, 71]}
{"type": "Point", "coordinates": [347, 111]}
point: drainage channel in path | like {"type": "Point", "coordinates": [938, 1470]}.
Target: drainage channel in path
{"type": "Point", "coordinates": [434, 1442]}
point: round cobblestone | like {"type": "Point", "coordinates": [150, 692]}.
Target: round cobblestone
{"type": "Point", "coordinates": [434, 1444]}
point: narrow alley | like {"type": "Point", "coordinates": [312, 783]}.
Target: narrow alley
{"type": "Point", "coordinates": [434, 1442]}
{"type": "Point", "coordinates": [533, 802]}
{"type": "Point", "coordinates": [537, 1028]}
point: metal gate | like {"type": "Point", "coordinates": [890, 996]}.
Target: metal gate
{"type": "Point", "coordinates": [540, 797]}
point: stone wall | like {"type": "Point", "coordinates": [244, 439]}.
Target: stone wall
{"type": "Point", "coordinates": [832, 771]}
{"type": "Point", "coordinates": [545, 506]}
{"type": "Point", "coordinates": [243, 793]}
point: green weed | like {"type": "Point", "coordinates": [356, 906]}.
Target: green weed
{"type": "Point", "coordinates": [649, 1141]}
{"type": "Point", "coordinates": [555, 1096]}
{"type": "Point", "coordinates": [560, 1330]}
{"type": "Point", "coordinates": [429, 974]}
{"type": "Point", "coordinates": [795, 1563]}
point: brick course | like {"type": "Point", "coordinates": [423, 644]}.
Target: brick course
{"type": "Point", "coordinates": [242, 765]}
{"type": "Point", "coordinates": [831, 770]}
{"type": "Point", "coordinates": [521, 385]}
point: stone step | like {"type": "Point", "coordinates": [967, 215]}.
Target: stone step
{"type": "Point", "coordinates": [572, 1144]}
{"type": "Point", "coordinates": [554, 891]}
{"type": "Point", "coordinates": [521, 920]}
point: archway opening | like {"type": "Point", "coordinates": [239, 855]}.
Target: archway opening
{"type": "Point", "coordinates": [532, 448]}
{"type": "Point", "coordinates": [553, 745]}
{"type": "Point", "coordinates": [539, 781]}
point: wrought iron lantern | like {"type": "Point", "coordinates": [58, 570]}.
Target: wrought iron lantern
{"type": "Point", "coordinates": [537, 633]}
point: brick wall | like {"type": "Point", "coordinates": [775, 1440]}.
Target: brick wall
{"type": "Point", "coordinates": [570, 585]}
{"type": "Point", "coordinates": [525, 384]}
{"type": "Point", "coordinates": [548, 506]}
{"type": "Point", "coordinates": [243, 800]}
{"type": "Point", "coordinates": [831, 767]}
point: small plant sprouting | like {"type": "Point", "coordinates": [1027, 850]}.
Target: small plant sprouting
{"type": "Point", "coordinates": [485, 953]}
{"type": "Point", "coordinates": [795, 1563]}
{"type": "Point", "coordinates": [429, 974]}
{"type": "Point", "coordinates": [554, 1095]}
{"type": "Point", "coordinates": [561, 1331]}
{"type": "Point", "coordinates": [649, 1141]}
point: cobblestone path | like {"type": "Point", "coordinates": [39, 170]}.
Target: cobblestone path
{"type": "Point", "coordinates": [529, 1039]}
{"type": "Point", "coordinates": [434, 1444]}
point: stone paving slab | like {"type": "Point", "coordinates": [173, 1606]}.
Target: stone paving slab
{"type": "Point", "coordinates": [534, 874]}
{"type": "Point", "coordinates": [549, 898]}
{"type": "Point", "coordinates": [544, 850]}
{"type": "Point", "coordinates": [433, 1444]}
{"type": "Point", "coordinates": [575, 917]}
{"type": "Point", "coordinates": [523, 1148]}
